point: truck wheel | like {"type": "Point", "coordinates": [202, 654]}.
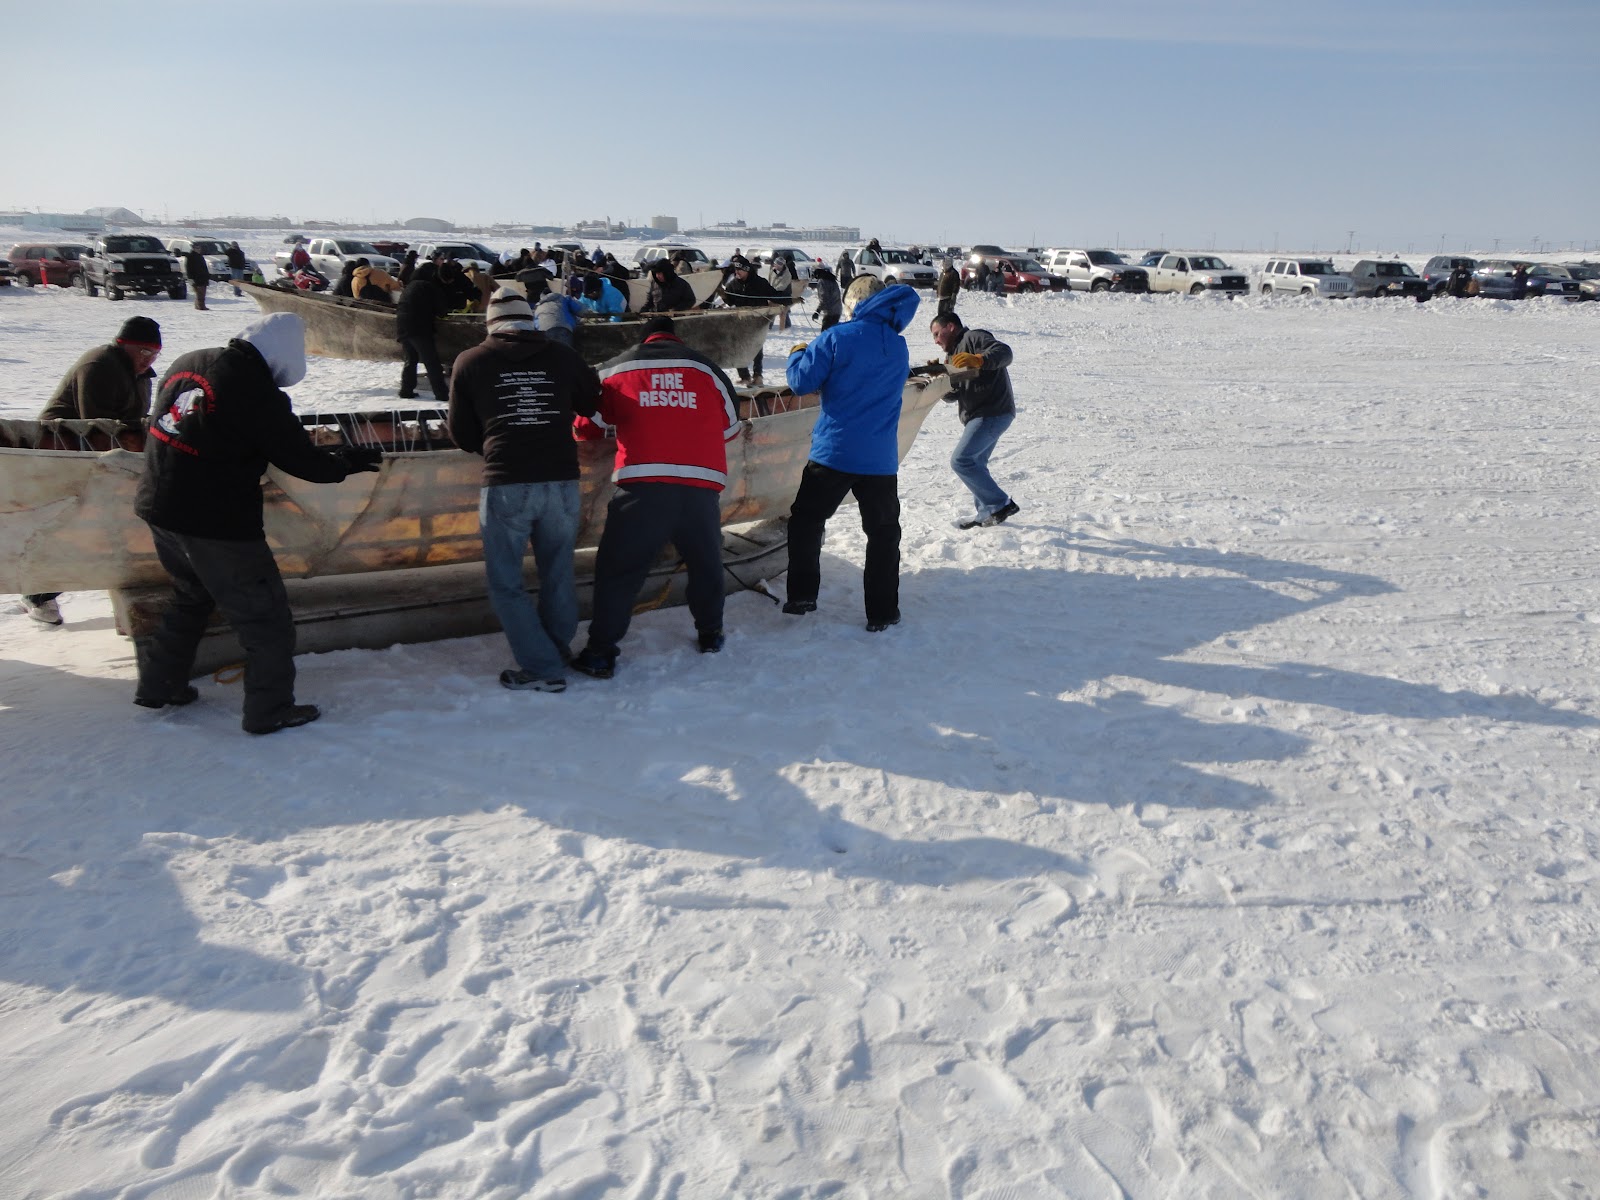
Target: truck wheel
{"type": "Point", "coordinates": [1198, 289]}
{"type": "Point", "coordinates": [1029, 287]}
{"type": "Point", "coordinates": [177, 291]}
{"type": "Point", "coordinates": [1266, 289]}
{"type": "Point", "coordinates": [113, 292]}
{"type": "Point", "coordinates": [889, 281]}
{"type": "Point", "coordinates": [1308, 292]}
{"type": "Point", "coordinates": [24, 279]}
{"type": "Point", "coordinates": [1099, 285]}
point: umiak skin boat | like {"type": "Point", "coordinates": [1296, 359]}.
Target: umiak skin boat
{"type": "Point", "coordinates": [339, 327]}
{"type": "Point", "coordinates": [67, 492]}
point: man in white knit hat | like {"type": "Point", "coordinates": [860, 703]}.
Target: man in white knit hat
{"type": "Point", "coordinates": [512, 400]}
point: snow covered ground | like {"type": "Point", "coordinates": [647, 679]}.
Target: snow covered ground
{"type": "Point", "coordinates": [1223, 825]}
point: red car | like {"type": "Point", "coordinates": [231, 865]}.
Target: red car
{"type": "Point", "coordinates": [46, 262]}
{"type": "Point", "coordinates": [1021, 274]}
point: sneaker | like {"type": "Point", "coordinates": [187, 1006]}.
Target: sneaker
{"type": "Point", "coordinates": [524, 681]}
{"type": "Point", "coordinates": [287, 717]}
{"type": "Point", "coordinates": [799, 608]}
{"type": "Point", "coordinates": [998, 516]}
{"type": "Point", "coordinates": [711, 641]}
{"type": "Point", "coordinates": [47, 613]}
{"type": "Point", "coordinates": [971, 521]}
{"type": "Point", "coordinates": [880, 626]}
{"type": "Point", "coordinates": [594, 664]}
{"type": "Point", "coordinates": [187, 695]}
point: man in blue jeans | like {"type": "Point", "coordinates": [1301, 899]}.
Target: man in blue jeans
{"type": "Point", "coordinates": [982, 394]}
{"type": "Point", "coordinates": [512, 400]}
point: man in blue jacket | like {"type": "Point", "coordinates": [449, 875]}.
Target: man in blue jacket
{"type": "Point", "coordinates": [860, 369]}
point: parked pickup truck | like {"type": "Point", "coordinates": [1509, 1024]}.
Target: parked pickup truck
{"type": "Point", "coordinates": [1097, 271]}
{"type": "Point", "coordinates": [130, 262]}
{"type": "Point", "coordinates": [328, 256]}
{"type": "Point", "coordinates": [1197, 275]}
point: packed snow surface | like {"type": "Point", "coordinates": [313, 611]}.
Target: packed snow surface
{"type": "Point", "coordinates": [1222, 825]}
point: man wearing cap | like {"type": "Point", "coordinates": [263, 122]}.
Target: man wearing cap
{"type": "Point", "coordinates": [513, 398]}
{"type": "Point", "coordinates": [109, 383]}
{"type": "Point", "coordinates": [673, 411]}
{"type": "Point", "coordinates": [220, 419]}
{"type": "Point", "coordinates": [743, 288]}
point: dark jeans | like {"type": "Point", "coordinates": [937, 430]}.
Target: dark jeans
{"type": "Point", "coordinates": [829, 320]}
{"type": "Point", "coordinates": [822, 490]}
{"type": "Point", "coordinates": [422, 349]}
{"type": "Point", "coordinates": [199, 290]}
{"type": "Point", "coordinates": [240, 578]}
{"type": "Point", "coordinates": [754, 368]}
{"type": "Point", "coordinates": [947, 304]}
{"type": "Point", "coordinates": [642, 518]}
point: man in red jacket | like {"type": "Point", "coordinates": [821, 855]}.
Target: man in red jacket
{"type": "Point", "coordinates": [673, 411]}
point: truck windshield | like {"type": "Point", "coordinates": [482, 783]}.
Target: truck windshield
{"type": "Point", "coordinates": [210, 247]}
{"type": "Point", "coordinates": [346, 247]}
{"type": "Point", "coordinates": [1202, 263]}
{"type": "Point", "coordinates": [1104, 258]}
{"type": "Point", "coordinates": [1032, 266]}
{"type": "Point", "coordinates": [134, 245]}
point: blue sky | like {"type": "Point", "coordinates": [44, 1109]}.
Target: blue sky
{"type": "Point", "coordinates": [1243, 124]}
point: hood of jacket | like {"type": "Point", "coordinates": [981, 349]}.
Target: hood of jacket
{"type": "Point", "coordinates": [894, 306]}
{"type": "Point", "coordinates": [519, 345]}
{"type": "Point", "coordinates": [280, 338]}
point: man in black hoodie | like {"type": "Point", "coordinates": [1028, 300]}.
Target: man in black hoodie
{"type": "Point", "coordinates": [220, 419]}
{"type": "Point", "coordinates": [420, 305]}
{"type": "Point", "coordinates": [669, 291]}
{"type": "Point", "coordinates": [743, 288]}
{"type": "Point", "coordinates": [512, 400]}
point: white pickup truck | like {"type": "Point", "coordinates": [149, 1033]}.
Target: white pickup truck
{"type": "Point", "coordinates": [328, 255]}
{"type": "Point", "coordinates": [1197, 275]}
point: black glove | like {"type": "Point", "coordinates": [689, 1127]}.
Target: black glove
{"type": "Point", "coordinates": [816, 315]}
{"type": "Point", "coordinates": [361, 458]}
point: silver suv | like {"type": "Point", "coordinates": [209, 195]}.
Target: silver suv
{"type": "Point", "coordinates": [1305, 277]}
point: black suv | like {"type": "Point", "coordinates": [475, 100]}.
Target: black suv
{"type": "Point", "coordinates": [131, 262]}
{"type": "Point", "coordinates": [46, 262]}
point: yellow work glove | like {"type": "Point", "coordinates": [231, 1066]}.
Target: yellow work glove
{"type": "Point", "coordinates": [967, 362]}
{"type": "Point", "coordinates": [797, 347]}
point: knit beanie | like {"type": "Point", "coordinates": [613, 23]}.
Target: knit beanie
{"type": "Point", "coordinates": [659, 324]}
{"type": "Point", "coordinates": [860, 288]}
{"type": "Point", "coordinates": [141, 331]}
{"type": "Point", "coordinates": [508, 309]}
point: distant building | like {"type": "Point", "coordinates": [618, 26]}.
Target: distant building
{"type": "Point", "coordinates": [664, 224]}
{"type": "Point", "coordinates": [778, 231]}
{"type": "Point", "coordinates": [68, 222]}
{"type": "Point", "coordinates": [117, 216]}
{"type": "Point", "coordinates": [430, 225]}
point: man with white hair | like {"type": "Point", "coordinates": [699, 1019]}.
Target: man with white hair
{"type": "Point", "coordinates": [220, 419]}
{"type": "Point", "coordinates": [512, 399]}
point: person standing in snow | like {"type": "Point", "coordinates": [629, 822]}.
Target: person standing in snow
{"type": "Point", "coordinates": [984, 401]}
{"type": "Point", "coordinates": [746, 289]}
{"type": "Point", "coordinates": [860, 368]}
{"type": "Point", "coordinates": [421, 304]}
{"type": "Point", "coordinates": [845, 268]}
{"type": "Point", "coordinates": [198, 275]}
{"type": "Point", "coordinates": [781, 276]}
{"type": "Point", "coordinates": [237, 263]}
{"type": "Point", "coordinates": [830, 300]}
{"type": "Point", "coordinates": [513, 398]}
{"type": "Point", "coordinates": [673, 411]}
{"type": "Point", "coordinates": [109, 383]}
{"type": "Point", "coordinates": [948, 286]}
{"type": "Point", "coordinates": [668, 290]}
{"type": "Point", "coordinates": [220, 420]}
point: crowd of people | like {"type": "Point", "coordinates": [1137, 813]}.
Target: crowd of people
{"type": "Point", "coordinates": [522, 400]}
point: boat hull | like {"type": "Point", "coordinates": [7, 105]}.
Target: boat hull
{"type": "Point", "coordinates": [338, 327]}
{"type": "Point", "coordinates": [67, 521]}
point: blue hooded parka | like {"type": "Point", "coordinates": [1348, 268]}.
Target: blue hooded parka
{"type": "Point", "coordinates": [860, 368]}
